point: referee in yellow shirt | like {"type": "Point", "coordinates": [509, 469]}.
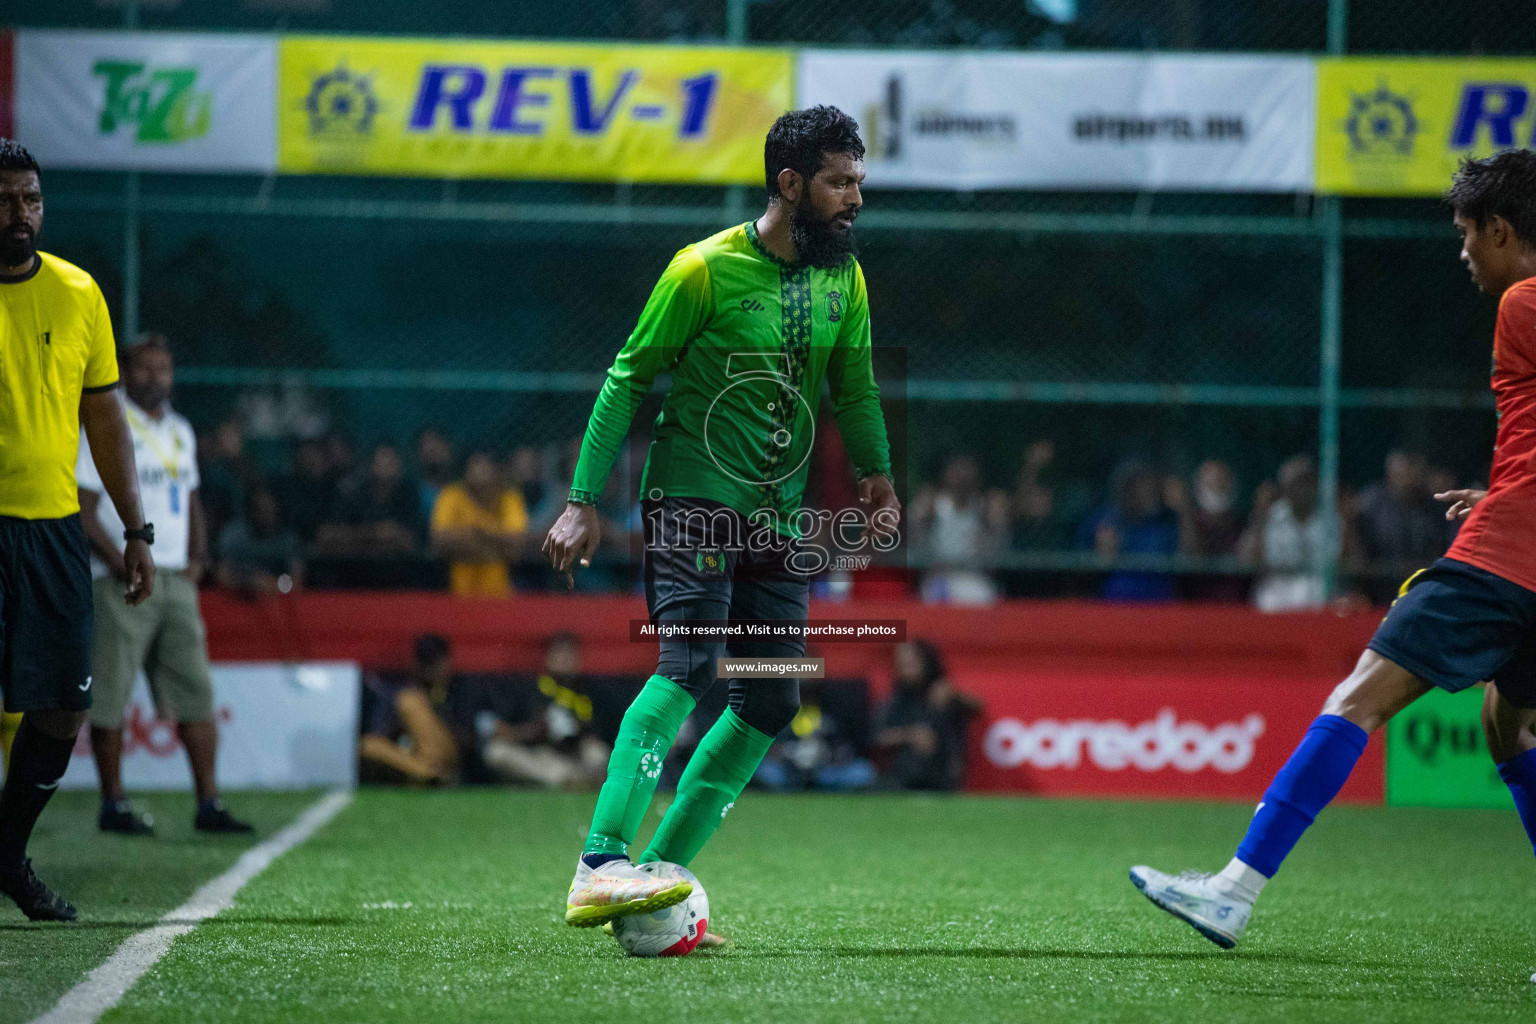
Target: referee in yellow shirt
{"type": "Point", "coordinates": [58, 371]}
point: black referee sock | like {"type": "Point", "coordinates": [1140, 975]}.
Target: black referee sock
{"type": "Point", "coordinates": [37, 764]}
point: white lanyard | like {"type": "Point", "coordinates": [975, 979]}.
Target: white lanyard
{"type": "Point", "coordinates": [172, 468]}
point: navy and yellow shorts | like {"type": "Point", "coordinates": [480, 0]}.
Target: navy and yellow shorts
{"type": "Point", "coordinates": [1454, 625]}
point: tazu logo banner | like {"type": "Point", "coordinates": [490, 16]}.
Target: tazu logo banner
{"type": "Point", "coordinates": [1200, 736]}
{"type": "Point", "coordinates": [148, 100]}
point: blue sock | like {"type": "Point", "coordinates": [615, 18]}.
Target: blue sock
{"type": "Point", "coordinates": [1311, 778]}
{"type": "Point", "coordinates": [597, 860]}
{"type": "Point", "coordinates": [1519, 774]}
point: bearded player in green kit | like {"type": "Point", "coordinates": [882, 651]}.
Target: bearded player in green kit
{"type": "Point", "coordinates": [748, 322]}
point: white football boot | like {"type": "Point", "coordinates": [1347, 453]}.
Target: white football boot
{"type": "Point", "coordinates": [1211, 906]}
{"type": "Point", "coordinates": [618, 889]}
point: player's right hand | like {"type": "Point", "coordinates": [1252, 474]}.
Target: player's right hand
{"type": "Point", "coordinates": [1462, 502]}
{"type": "Point", "coordinates": [139, 569]}
{"type": "Point", "coordinates": [573, 538]}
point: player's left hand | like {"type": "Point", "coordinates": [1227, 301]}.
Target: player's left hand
{"type": "Point", "coordinates": [140, 571]}
{"type": "Point", "coordinates": [1462, 502]}
{"type": "Point", "coordinates": [878, 496]}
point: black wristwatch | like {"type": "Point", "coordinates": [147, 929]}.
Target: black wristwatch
{"type": "Point", "coordinates": [145, 533]}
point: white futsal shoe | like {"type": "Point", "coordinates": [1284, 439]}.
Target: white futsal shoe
{"type": "Point", "coordinates": [1211, 906]}
{"type": "Point", "coordinates": [618, 889]}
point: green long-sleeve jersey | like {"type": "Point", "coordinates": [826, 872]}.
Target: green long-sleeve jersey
{"type": "Point", "coordinates": [748, 340]}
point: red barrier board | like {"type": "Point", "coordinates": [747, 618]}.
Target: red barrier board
{"type": "Point", "coordinates": [1146, 734]}
{"type": "Point", "coordinates": [1216, 696]}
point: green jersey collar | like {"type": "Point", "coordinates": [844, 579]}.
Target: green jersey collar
{"type": "Point", "coordinates": [762, 250]}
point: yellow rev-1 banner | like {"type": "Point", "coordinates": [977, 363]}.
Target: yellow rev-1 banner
{"type": "Point", "coordinates": [1399, 127]}
{"type": "Point", "coordinates": [472, 109]}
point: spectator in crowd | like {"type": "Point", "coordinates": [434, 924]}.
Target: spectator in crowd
{"type": "Point", "coordinates": [377, 513]}
{"type": "Point", "coordinates": [405, 737]}
{"type": "Point", "coordinates": [922, 730]}
{"type": "Point", "coordinates": [1212, 528]}
{"type": "Point", "coordinates": [1440, 480]}
{"type": "Point", "coordinates": [1287, 540]}
{"type": "Point", "coordinates": [306, 495]}
{"type": "Point", "coordinates": [226, 472]}
{"type": "Point", "coordinates": [339, 455]}
{"type": "Point", "coordinates": [525, 472]}
{"type": "Point", "coordinates": [258, 555]}
{"type": "Point", "coordinates": [434, 467]}
{"type": "Point", "coordinates": [1036, 527]}
{"type": "Point", "coordinates": [480, 526]}
{"type": "Point", "coordinates": [818, 750]}
{"type": "Point", "coordinates": [554, 744]}
{"type": "Point", "coordinates": [1399, 522]}
{"type": "Point", "coordinates": [959, 527]}
{"type": "Point", "coordinates": [1136, 521]}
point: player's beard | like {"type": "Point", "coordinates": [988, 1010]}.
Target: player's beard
{"type": "Point", "coordinates": [820, 243]}
{"type": "Point", "coordinates": [16, 251]}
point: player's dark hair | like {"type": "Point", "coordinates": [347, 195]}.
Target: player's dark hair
{"type": "Point", "coordinates": [1502, 185]}
{"type": "Point", "coordinates": [149, 341]}
{"type": "Point", "coordinates": [14, 157]}
{"type": "Point", "coordinates": [933, 668]}
{"type": "Point", "coordinates": [430, 648]}
{"type": "Point", "coordinates": [801, 139]}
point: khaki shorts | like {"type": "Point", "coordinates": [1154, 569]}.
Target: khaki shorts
{"type": "Point", "coordinates": [165, 637]}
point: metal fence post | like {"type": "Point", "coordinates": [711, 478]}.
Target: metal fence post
{"type": "Point", "coordinates": [131, 197]}
{"type": "Point", "coordinates": [1331, 214]}
{"type": "Point", "coordinates": [1328, 386]}
{"type": "Point", "coordinates": [736, 35]}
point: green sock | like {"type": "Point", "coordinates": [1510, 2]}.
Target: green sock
{"type": "Point", "coordinates": [716, 774]}
{"type": "Point", "coordinates": [646, 734]}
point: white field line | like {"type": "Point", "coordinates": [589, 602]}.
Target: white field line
{"type": "Point", "coordinates": [104, 986]}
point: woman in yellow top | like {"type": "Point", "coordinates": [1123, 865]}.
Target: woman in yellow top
{"type": "Point", "coordinates": [479, 525]}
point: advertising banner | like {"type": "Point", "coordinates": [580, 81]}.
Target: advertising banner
{"type": "Point", "coordinates": [1436, 755]}
{"type": "Point", "coordinates": [280, 727]}
{"type": "Point", "coordinates": [147, 101]}
{"type": "Point", "coordinates": [1399, 127]}
{"type": "Point", "coordinates": [978, 120]}
{"type": "Point", "coordinates": [1145, 735]}
{"type": "Point", "coordinates": [464, 109]}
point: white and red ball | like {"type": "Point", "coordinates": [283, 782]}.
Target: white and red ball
{"type": "Point", "coordinates": [674, 931]}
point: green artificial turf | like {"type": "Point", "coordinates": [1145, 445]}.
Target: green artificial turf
{"type": "Point", "coordinates": [443, 907]}
{"type": "Point", "coordinates": [121, 885]}
{"type": "Point", "coordinates": [446, 906]}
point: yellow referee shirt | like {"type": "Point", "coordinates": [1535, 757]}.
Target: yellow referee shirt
{"type": "Point", "coordinates": [55, 342]}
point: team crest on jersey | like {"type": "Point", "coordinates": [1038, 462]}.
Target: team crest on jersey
{"type": "Point", "coordinates": [710, 561]}
{"type": "Point", "coordinates": [834, 307]}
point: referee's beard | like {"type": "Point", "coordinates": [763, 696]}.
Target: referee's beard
{"type": "Point", "coordinates": [18, 245]}
{"type": "Point", "coordinates": [820, 243]}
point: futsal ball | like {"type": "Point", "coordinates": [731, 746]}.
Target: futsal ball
{"type": "Point", "coordinates": [674, 931]}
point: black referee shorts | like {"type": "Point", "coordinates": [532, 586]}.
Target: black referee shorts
{"type": "Point", "coordinates": [45, 615]}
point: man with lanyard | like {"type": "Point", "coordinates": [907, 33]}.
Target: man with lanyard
{"type": "Point", "coordinates": [164, 636]}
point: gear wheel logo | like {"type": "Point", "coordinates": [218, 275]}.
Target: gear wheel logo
{"type": "Point", "coordinates": [732, 424]}
{"type": "Point", "coordinates": [341, 103]}
{"type": "Point", "coordinates": [650, 765]}
{"type": "Point", "coordinates": [1381, 123]}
